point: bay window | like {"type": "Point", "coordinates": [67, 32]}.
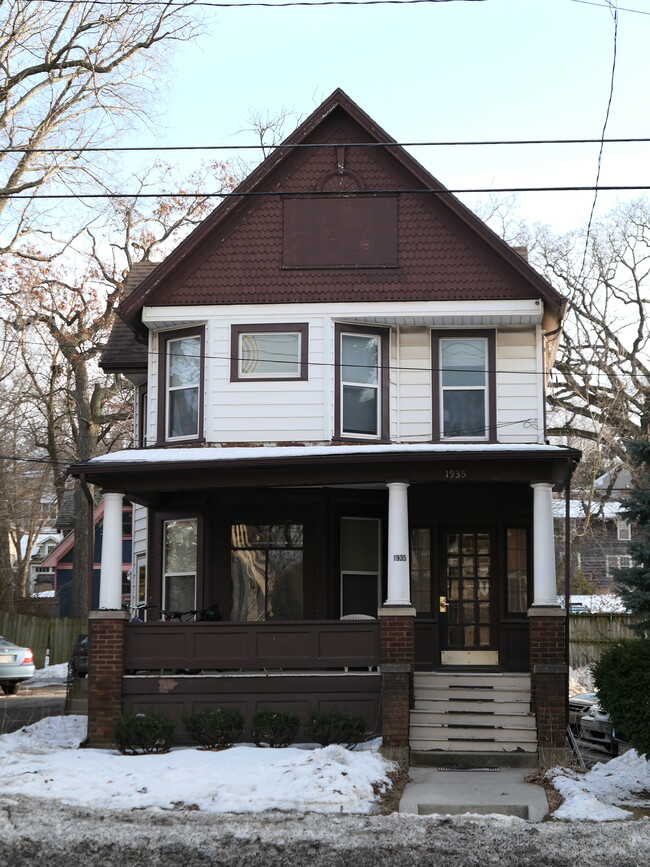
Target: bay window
{"type": "Point", "coordinates": [362, 358]}
{"type": "Point", "coordinates": [181, 375]}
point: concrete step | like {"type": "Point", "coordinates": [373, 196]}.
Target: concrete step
{"type": "Point", "coordinates": [456, 718]}
{"type": "Point", "coordinates": [477, 759]}
{"type": "Point", "coordinates": [490, 680]}
{"type": "Point", "coordinates": [472, 746]}
{"type": "Point", "coordinates": [476, 693]}
{"type": "Point", "coordinates": [470, 705]}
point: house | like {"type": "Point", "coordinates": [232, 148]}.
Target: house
{"type": "Point", "coordinates": [59, 561]}
{"type": "Point", "coordinates": [599, 546]}
{"type": "Point", "coordinates": [340, 385]}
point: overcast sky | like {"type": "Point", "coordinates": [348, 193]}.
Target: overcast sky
{"type": "Point", "coordinates": [496, 69]}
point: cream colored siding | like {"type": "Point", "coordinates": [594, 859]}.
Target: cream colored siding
{"type": "Point", "coordinates": [139, 530]}
{"type": "Point", "coordinates": [415, 385]}
{"type": "Point", "coordinates": [518, 385]}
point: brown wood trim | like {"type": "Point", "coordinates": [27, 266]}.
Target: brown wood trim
{"type": "Point", "coordinates": [490, 335]}
{"type": "Point", "coordinates": [301, 327]}
{"type": "Point", "coordinates": [384, 361]}
{"type": "Point", "coordinates": [163, 339]}
{"type": "Point", "coordinates": [295, 645]}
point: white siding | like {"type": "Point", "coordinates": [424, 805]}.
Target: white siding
{"type": "Point", "coordinates": [518, 387]}
{"type": "Point", "coordinates": [303, 411]}
{"type": "Point", "coordinates": [140, 517]}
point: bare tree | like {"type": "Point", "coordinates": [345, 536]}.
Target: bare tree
{"type": "Point", "coordinates": [72, 76]}
{"type": "Point", "coordinates": [601, 393]}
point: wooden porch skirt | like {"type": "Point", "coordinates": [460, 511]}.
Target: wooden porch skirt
{"type": "Point", "coordinates": [225, 646]}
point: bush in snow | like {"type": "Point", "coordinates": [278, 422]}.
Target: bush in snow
{"type": "Point", "coordinates": [140, 733]}
{"type": "Point", "coordinates": [334, 727]}
{"type": "Point", "coordinates": [622, 680]}
{"type": "Point", "coordinates": [215, 729]}
{"type": "Point", "coordinates": [277, 728]}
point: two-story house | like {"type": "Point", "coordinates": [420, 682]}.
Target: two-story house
{"type": "Point", "coordinates": [340, 379]}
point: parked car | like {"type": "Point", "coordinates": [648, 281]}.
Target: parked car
{"type": "Point", "coordinates": [79, 657]}
{"type": "Point", "coordinates": [578, 706]}
{"type": "Point", "coordinates": [596, 727]}
{"type": "Point", "coordinates": [16, 665]}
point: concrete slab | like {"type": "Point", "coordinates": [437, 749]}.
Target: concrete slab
{"type": "Point", "coordinates": [501, 790]}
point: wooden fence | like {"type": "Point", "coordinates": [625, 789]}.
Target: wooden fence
{"type": "Point", "coordinates": [589, 635]}
{"type": "Point", "coordinates": [42, 633]}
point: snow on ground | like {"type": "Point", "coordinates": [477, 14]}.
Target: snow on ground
{"type": "Point", "coordinates": [51, 675]}
{"type": "Point", "coordinates": [44, 760]}
{"type": "Point", "coordinates": [596, 794]}
{"type": "Point", "coordinates": [580, 680]}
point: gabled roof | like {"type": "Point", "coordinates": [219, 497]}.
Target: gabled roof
{"type": "Point", "coordinates": [234, 255]}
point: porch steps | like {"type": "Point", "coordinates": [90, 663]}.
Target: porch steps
{"type": "Point", "coordinates": [475, 715]}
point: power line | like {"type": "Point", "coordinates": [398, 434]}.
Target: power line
{"type": "Point", "coordinates": [269, 5]}
{"type": "Point", "coordinates": [315, 193]}
{"type": "Point", "coordinates": [310, 145]}
{"type": "Point", "coordinates": [608, 7]}
{"type": "Point", "coordinates": [602, 143]}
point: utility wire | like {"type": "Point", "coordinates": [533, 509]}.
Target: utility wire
{"type": "Point", "coordinates": [332, 194]}
{"type": "Point", "coordinates": [311, 145]}
{"type": "Point", "coordinates": [602, 142]}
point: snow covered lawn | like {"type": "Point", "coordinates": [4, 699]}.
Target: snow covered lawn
{"type": "Point", "coordinates": [600, 794]}
{"type": "Point", "coordinates": [44, 760]}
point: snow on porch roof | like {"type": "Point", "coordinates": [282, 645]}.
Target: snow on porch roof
{"type": "Point", "coordinates": [270, 453]}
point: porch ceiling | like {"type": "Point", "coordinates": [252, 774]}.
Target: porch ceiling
{"type": "Point", "coordinates": [142, 472]}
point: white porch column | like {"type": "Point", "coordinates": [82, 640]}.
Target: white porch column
{"type": "Point", "coordinates": [544, 581]}
{"type": "Point", "coordinates": [110, 581]}
{"type": "Point", "coordinates": [399, 583]}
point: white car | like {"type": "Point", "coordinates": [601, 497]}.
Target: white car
{"type": "Point", "coordinates": [16, 665]}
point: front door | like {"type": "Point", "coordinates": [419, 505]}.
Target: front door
{"type": "Point", "coordinates": [467, 597]}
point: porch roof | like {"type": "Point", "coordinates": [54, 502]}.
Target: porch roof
{"type": "Point", "coordinates": [195, 468]}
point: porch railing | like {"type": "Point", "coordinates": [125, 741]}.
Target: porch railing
{"type": "Point", "coordinates": [225, 646]}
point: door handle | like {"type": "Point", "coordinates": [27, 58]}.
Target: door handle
{"type": "Point", "coordinates": [443, 604]}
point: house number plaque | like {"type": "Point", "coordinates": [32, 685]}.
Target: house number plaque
{"type": "Point", "coordinates": [400, 557]}
{"type": "Point", "coordinates": [455, 475]}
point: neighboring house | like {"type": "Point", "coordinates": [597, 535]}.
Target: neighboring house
{"type": "Point", "coordinates": [60, 559]}
{"type": "Point", "coordinates": [340, 386]}
{"type": "Point", "coordinates": [599, 549]}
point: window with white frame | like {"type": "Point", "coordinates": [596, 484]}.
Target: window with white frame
{"type": "Point", "coordinates": [268, 352]}
{"type": "Point", "coordinates": [362, 384]}
{"type": "Point", "coordinates": [180, 539]}
{"type": "Point", "coordinates": [623, 530]}
{"type": "Point", "coordinates": [182, 362]}
{"type": "Point", "coordinates": [464, 386]}
{"type": "Point", "coordinates": [617, 561]}
{"type": "Point", "coordinates": [360, 558]}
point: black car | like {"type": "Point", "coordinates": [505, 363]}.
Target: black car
{"type": "Point", "coordinates": [79, 657]}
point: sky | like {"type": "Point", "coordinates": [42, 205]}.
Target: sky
{"type": "Point", "coordinates": [44, 760]}
{"type": "Point", "coordinates": [445, 71]}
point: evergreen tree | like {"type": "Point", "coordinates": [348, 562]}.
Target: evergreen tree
{"type": "Point", "coordinates": [634, 583]}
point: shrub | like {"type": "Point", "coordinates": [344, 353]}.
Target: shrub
{"type": "Point", "coordinates": [622, 680]}
{"type": "Point", "coordinates": [335, 727]}
{"type": "Point", "coordinates": [277, 728]}
{"type": "Point", "coordinates": [140, 733]}
{"type": "Point", "coordinates": [215, 729]}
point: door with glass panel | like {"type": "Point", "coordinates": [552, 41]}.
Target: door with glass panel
{"type": "Point", "coordinates": [467, 598]}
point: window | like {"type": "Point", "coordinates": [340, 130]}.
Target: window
{"type": "Point", "coordinates": [143, 403]}
{"type": "Point", "coordinates": [464, 379]}
{"type": "Point", "coordinates": [359, 566]}
{"type": "Point", "coordinates": [517, 575]}
{"type": "Point", "coordinates": [267, 352]}
{"type": "Point", "coordinates": [617, 561]}
{"type": "Point", "coordinates": [420, 564]}
{"type": "Point", "coordinates": [266, 571]}
{"type": "Point", "coordinates": [623, 530]}
{"type": "Point", "coordinates": [179, 564]}
{"type": "Point", "coordinates": [362, 382]}
{"type": "Point", "coordinates": [181, 371]}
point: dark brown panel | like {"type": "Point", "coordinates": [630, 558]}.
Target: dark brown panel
{"type": "Point", "coordinates": [347, 231]}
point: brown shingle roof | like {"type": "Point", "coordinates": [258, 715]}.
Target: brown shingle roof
{"type": "Point", "coordinates": [444, 251]}
{"type": "Point", "coordinates": [124, 351]}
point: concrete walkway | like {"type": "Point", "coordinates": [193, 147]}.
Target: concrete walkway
{"type": "Point", "coordinates": [501, 790]}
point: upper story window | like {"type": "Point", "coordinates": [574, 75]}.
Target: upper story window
{"type": "Point", "coordinates": [362, 382]}
{"type": "Point", "coordinates": [623, 530]}
{"type": "Point", "coordinates": [267, 352]}
{"type": "Point", "coordinates": [464, 399]}
{"type": "Point", "coordinates": [181, 356]}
